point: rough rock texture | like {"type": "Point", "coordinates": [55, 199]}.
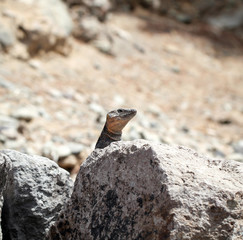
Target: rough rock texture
{"type": "Point", "coordinates": [35, 193]}
{"type": "Point", "coordinates": [5, 167]}
{"type": "Point", "coordinates": [143, 190]}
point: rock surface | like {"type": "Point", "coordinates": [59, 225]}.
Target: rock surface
{"type": "Point", "coordinates": [5, 167]}
{"type": "Point", "coordinates": [144, 190]}
{"type": "Point", "coordinates": [36, 190]}
{"type": "Point", "coordinates": [41, 26]}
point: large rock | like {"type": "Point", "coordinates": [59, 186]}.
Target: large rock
{"type": "Point", "coordinates": [143, 190]}
{"type": "Point", "coordinates": [35, 192]}
{"type": "Point", "coordinates": [42, 25]}
{"type": "Point", "coordinates": [5, 167]}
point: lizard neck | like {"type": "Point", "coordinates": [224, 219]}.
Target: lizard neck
{"type": "Point", "coordinates": [106, 138]}
{"type": "Point", "coordinates": [112, 135]}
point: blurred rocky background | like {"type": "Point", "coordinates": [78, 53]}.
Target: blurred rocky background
{"type": "Point", "coordinates": [65, 64]}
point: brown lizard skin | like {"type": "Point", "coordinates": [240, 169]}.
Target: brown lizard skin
{"type": "Point", "coordinates": [116, 120]}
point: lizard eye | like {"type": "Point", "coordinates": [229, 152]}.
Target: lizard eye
{"type": "Point", "coordinates": [119, 110]}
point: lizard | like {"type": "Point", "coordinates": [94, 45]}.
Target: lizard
{"type": "Point", "coordinates": [116, 120]}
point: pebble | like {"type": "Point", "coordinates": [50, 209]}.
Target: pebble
{"type": "Point", "coordinates": [61, 116]}
{"type": "Point", "coordinates": [175, 69]}
{"type": "Point", "coordinates": [25, 113]}
{"type": "Point", "coordinates": [150, 136]}
{"type": "Point", "coordinates": [9, 133]}
{"type": "Point", "coordinates": [96, 108]}
{"type": "Point", "coordinates": [184, 18]}
{"type": "Point", "coordinates": [8, 122]}
{"type": "Point", "coordinates": [236, 156]}
{"type": "Point", "coordinates": [238, 147]}
{"type": "Point", "coordinates": [103, 45]}
{"type": "Point", "coordinates": [133, 134]}
{"type": "Point", "coordinates": [118, 100]}
{"type": "Point", "coordinates": [216, 152]}
{"type": "Point", "coordinates": [35, 64]}
{"type": "Point", "coordinates": [7, 37]}
{"type": "Point", "coordinates": [143, 120]}
{"type": "Point", "coordinates": [97, 66]}
{"type": "Point", "coordinates": [55, 93]}
{"type": "Point", "coordinates": [49, 151]}
{"type": "Point", "coordinates": [58, 149]}
{"type": "Point", "coordinates": [19, 144]}
{"type": "Point", "coordinates": [68, 163]}
{"type": "Point", "coordinates": [63, 151]}
{"type": "Point", "coordinates": [6, 84]}
{"type": "Point", "coordinates": [75, 148]}
{"type": "Point", "coordinates": [89, 28]}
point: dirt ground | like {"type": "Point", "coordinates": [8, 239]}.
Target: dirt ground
{"type": "Point", "coordinates": [186, 82]}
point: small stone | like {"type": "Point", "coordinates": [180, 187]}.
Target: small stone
{"type": "Point", "coordinates": [68, 163]}
{"type": "Point", "coordinates": [19, 51]}
{"type": "Point", "coordinates": [8, 122]}
{"type": "Point", "coordinates": [75, 148]}
{"type": "Point", "coordinates": [175, 69]}
{"type": "Point", "coordinates": [96, 108]}
{"type": "Point", "coordinates": [6, 84]}
{"type": "Point", "coordinates": [10, 133]}
{"type": "Point", "coordinates": [7, 37]}
{"type": "Point", "coordinates": [97, 66]}
{"type": "Point", "coordinates": [55, 93]}
{"type": "Point", "coordinates": [49, 151]}
{"type": "Point", "coordinates": [103, 45]}
{"type": "Point", "coordinates": [150, 136]}
{"type": "Point", "coordinates": [184, 18]}
{"type": "Point", "coordinates": [18, 144]}
{"type": "Point", "coordinates": [216, 152]}
{"type": "Point", "coordinates": [134, 133]}
{"type": "Point", "coordinates": [230, 20]}
{"type": "Point", "coordinates": [139, 48]}
{"type": "Point", "coordinates": [26, 113]}
{"type": "Point", "coordinates": [154, 109]}
{"type": "Point", "coordinates": [61, 116]}
{"type": "Point", "coordinates": [238, 147]}
{"type": "Point", "coordinates": [118, 100]}
{"type": "Point", "coordinates": [236, 156]}
{"type": "Point", "coordinates": [89, 28]}
{"type": "Point", "coordinates": [63, 151]}
{"type": "Point", "coordinates": [56, 151]}
{"type": "Point", "coordinates": [143, 120]}
{"type": "Point", "coordinates": [227, 107]}
{"type": "Point", "coordinates": [35, 64]}
{"type": "Point", "coordinates": [185, 129]}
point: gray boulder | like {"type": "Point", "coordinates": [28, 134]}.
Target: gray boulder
{"type": "Point", "coordinates": [5, 167]}
{"type": "Point", "coordinates": [143, 190]}
{"type": "Point", "coordinates": [35, 192]}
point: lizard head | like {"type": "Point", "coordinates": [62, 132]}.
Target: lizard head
{"type": "Point", "coordinates": [116, 120]}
